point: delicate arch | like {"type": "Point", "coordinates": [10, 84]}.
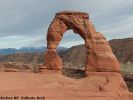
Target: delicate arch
{"type": "Point", "coordinates": [99, 54]}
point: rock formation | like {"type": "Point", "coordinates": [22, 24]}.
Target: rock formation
{"type": "Point", "coordinates": [102, 67]}
{"type": "Point", "coordinates": [99, 54]}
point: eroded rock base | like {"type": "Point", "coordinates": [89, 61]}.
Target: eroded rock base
{"type": "Point", "coordinates": [44, 70]}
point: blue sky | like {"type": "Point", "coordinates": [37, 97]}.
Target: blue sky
{"type": "Point", "coordinates": [24, 23]}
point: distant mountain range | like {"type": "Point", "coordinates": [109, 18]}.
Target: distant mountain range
{"type": "Point", "coordinates": [123, 49]}
{"type": "Point", "coordinates": [76, 55]}
{"type": "Point", "coordinates": [27, 50]}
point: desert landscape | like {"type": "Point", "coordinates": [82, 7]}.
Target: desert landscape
{"type": "Point", "coordinates": [66, 50]}
{"type": "Point", "coordinates": [82, 72]}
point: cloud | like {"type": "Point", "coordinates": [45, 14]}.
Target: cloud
{"type": "Point", "coordinates": [120, 29]}
{"type": "Point", "coordinates": [69, 39]}
{"type": "Point", "coordinates": [25, 19]}
{"type": "Point", "coordinates": [22, 41]}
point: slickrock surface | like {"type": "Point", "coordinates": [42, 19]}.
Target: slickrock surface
{"type": "Point", "coordinates": [15, 67]}
{"type": "Point", "coordinates": [54, 86]}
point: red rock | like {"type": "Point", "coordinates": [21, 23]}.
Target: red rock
{"type": "Point", "coordinates": [98, 86]}
{"type": "Point", "coordinates": [104, 82]}
{"type": "Point", "coordinates": [10, 70]}
{"type": "Point", "coordinates": [99, 54]}
{"type": "Point", "coordinates": [52, 60]}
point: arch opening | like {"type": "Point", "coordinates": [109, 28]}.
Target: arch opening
{"type": "Point", "coordinates": [73, 65]}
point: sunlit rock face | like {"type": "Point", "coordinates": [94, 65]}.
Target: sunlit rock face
{"type": "Point", "coordinates": [99, 57]}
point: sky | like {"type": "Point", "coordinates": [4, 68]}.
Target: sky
{"type": "Point", "coordinates": [24, 23]}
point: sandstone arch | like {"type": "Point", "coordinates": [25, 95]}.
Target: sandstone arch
{"type": "Point", "coordinates": [99, 54]}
